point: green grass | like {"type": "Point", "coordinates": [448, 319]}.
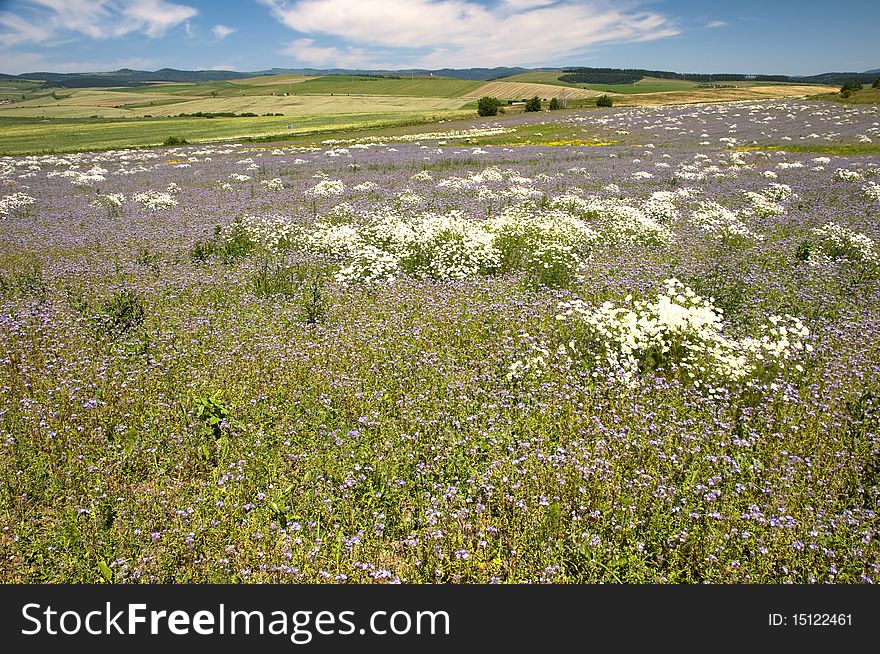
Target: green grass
{"type": "Point", "coordinates": [33, 135]}
{"type": "Point", "coordinates": [549, 77]}
{"type": "Point", "coordinates": [435, 87]}
{"type": "Point", "coordinates": [286, 94]}
{"type": "Point", "coordinates": [867, 95]}
{"type": "Point", "coordinates": [14, 90]}
{"type": "Point", "coordinates": [819, 148]}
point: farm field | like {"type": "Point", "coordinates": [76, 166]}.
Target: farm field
{"type": "Point", "coordinates": [102, 118]}
{"type": "Point", "coordinates": [520, 90]}
{"type": "Point", "coordinates": [629, 345]}
{"type": "Point", "coordinates": [20, 135]}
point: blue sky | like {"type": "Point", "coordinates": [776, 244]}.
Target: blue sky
{"type": "Point", "coordinates": [748, 36]}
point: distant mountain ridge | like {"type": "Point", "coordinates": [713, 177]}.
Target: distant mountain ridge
{"type": "Point", "coordinates": [130, 77]}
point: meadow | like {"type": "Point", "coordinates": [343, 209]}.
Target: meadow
{"type": "Point", "coordinates": [40, 120]}
{"type": "Point", "coordinates": [629, 345]}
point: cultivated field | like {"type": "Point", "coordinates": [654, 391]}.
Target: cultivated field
{"type": "Point", "coordinates": [520, 90]}
{"type": "Point", "coordinates": [627, 345]}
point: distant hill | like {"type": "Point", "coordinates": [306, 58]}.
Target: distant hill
{"type": "Point", "coordinates": [130, 77]}
{"type": "Point", "coordinates": [580, 75]}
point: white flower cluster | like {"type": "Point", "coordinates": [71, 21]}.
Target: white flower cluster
{"type": "Point", "coordinates": [871, 192]}
{"type": "Point", "coordinates": [838, 242]}
{"type": "Point", "coordinates": [763, 206]}
{"type": "Point", "coordinates": [112, 202]}
{"type": "Point", "coordinates": [530, 367]}
{"type": "Point", "coordinates": [848, 175]}
{"type": "Point", "coordinates": [723, 224]}
{"type": "Point", "coordinates": [409, 197]}
{"type": "Point", "coordinates": [661, 206]}
{"type": "Point", "coordinates": [473, 132]}
{"type": "Point", "coordinates": [682, 334]}
{"type": "Point", "coordinates": [81, 179]}
{"type": "Point", "coordinates": [550, 244]}
{"type": "Point", "coordinates": [327, 187]}
{"type": "Point", "coordinates": [155, 200]}
{"type": "Point", "coordinates": [16, 203]}
{"type": "Point", "coordinates": [778, 192]}
{"type": "Point", "coordinates": [273, 184]}
{"type": "Point", "coordinates": [617, 220]}
{"type": "Point", "coordinates": [274, 233]}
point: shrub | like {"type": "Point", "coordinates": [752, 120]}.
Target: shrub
{"type": "Point", "coordinates": [876, 84]}
{"type": "Point", "coordinates": [174, 140]}
{"type": "Point", "coordinates": [487, 106]}
{"type": "Point", "coordinates": [534, 104]}
{"type": "Point", "coordinates": [554, 104]}
{"type": "Point", "coordinates": [604, 101]}
{"type": "Point", "coordinates": [849, 88]}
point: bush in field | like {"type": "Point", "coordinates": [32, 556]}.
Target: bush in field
{"type": "Point", "coordinates": [849, 88]}
{"type": "Point", "coordinates": [488, 106]}
{"type": "Point", "coordinates": [554, 104]}
{"type": "Point", "coordinates": [876, 84]}
{"type": "Point", "coordinates": [534, 104]}
{"type": "Point", "coordinates": [174, 141]}
{"type": "Point", "coordinates": [604, 101]}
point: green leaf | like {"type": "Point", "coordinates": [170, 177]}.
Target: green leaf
{"type": "Point", "coordinates": [106, 572]}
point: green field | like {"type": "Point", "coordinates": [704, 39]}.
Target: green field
{"type": "Point", "coordinates": [294, 95]}
{"type": "Point", "coordinates": [533, 77]}
{"type": "Point", "coordinates": [867, 95]}
{"type": "Point", "coordinates": [34, 135]}
{"type": "Point", "coordinates": [645, 85]}
{"type": "Point", "coordinates": [434, 87]}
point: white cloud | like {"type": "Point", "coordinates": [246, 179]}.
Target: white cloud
{"type": "Point", "coordinates": [221, 31]}
{"type": "Point", "coordinates": [716, 23]}
{"type": "Point", "coordinates": [46, 21]}
{"type": "Point", "coordinates": [438, 33]}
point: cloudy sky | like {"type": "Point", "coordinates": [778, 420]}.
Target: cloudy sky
{"type": "Point", "coordinates": [748, 36]}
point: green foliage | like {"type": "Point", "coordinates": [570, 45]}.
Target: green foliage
{"type": "Point", "coordinates": [174, 141]}
{"type": "Point", "coordinates": [534, 104]}
{"type": "Point", "coordinates": [849, 88]}
{"type": "Point", "coordinates": [488, 106]}
{"type": "Point", "coordinates": [202, 249]}
{"type": "Point", "coordinates": [313, 301]}
{"type": "Point", "coordinates": [121, 312]}
{"type": "Point", "coordinates": [876, 84]}
{"type": "Point", "coordinates": [804, 250]}
{"type": "Point", "coordinates": [26, 280]}
{"type": "Point", "coordinates": [554, 104]}
{"type": "Point", "coordinates": [604, 101]}
{"type": "Point", "coordinates": [235, 243]}
{"type": "Point", "coordinates": [273, 279]}
{"type": "Point", "coordinates": [212, 412]}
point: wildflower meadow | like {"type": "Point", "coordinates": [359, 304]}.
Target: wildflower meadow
{"type": "Point", "coordinates": [646, 350]}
